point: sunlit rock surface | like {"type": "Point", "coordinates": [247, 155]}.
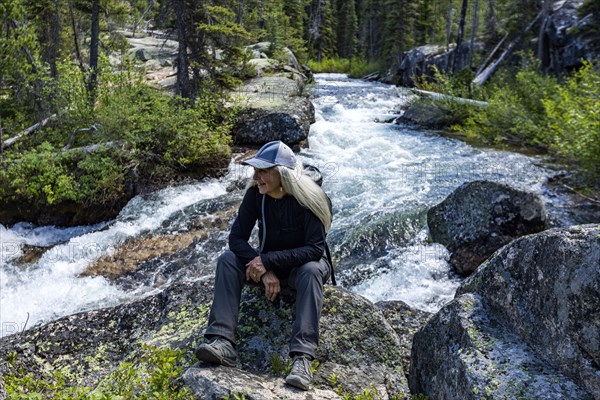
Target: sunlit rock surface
{"type": "Point", "coordinates": [479, 217]}
{"type": "Point", "coordinates": [525, 325]}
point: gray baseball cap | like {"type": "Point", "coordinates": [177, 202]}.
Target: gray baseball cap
{"type": "Point", "coordinates": [272, 154]}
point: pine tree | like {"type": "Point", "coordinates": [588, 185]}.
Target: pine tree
{"type": "Point", "coordinates": [209, 46]}
{"type": "Point", "coordinates": [398, 34]}
{"type": "Point", "coordinates": [19, 58]}
{"type": "Point", "coordinates": [424, 22]}
{"type": "Point", "coordinates": [46, 20]}
{"type": "Point", "coordinates": [321, 29]}
{"type": "Point", "coordinates": [347, 28]}
{"type": "Point", "coordinates": [369, 26]}
{"type": "Point", "coordinates": [457, 54]}
{"type": "Point", "coordinates": [296, 34]}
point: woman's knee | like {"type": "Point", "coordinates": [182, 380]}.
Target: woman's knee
{"type": "Point", "coordinates": [228, 261]}
{"type": "Point", "coordinates": [311, 269]}
{"type": "Point", "coordinates": [227, 257]}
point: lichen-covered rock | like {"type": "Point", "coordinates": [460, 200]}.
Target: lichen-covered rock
{"type": "Point", "coordinates": [525, 325]}
{"type": "Point", "coordinates": [217, 383]}
{"type": "Point", "coordinates": [266, 48]}
{"type": "Point", "coordinates": [358, 349]}
{"type": "Point", "coordinates": [275, 109]}
{"type": "Point", "coordinates": [87, 346]}
{"type": "Point", "coordinates": [464, 354]}
{"type": "Point", "coordinates": [426, 114]}
{"type": "Point", "coordinates": [546, 288]}
{"type": "Point", "coordinates": [405, 321]}
{"type": "Point", "coordinates": [479, 217]}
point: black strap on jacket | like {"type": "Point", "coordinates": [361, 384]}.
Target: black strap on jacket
{"type": "Point", "coordinates": [328, 254]}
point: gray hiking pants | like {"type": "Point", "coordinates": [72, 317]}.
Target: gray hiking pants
{"type": "Point", "coordinates": [307, 280]}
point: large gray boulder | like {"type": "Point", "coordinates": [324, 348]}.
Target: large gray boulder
{"type": "Point", "coordinates": [358, 351]}
{"type": "Point", "coordinates": [262, 49]}
{"type": "Point", "coordinates": [479, 217]}
{"type": "Point", "coordinates": [525, 325]}
{"type": "Point", "coordinates": [425, 113]}
{"type": "Point", "coordinates": [275, 109]}
{"type": "Point", "coordinates": [216, 383]}
{"type": "Point", "coordinates": [569, 37]}
{"type": "Point", "coordinates": [405, 321]}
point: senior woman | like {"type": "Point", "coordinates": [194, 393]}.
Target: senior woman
{"type": "Point", "coordinates": [293, 215]}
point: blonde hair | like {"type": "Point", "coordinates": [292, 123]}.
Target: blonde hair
{"type": "Point", "coordinates": [306, 191]}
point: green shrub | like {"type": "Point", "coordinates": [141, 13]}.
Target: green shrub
{"type": "Point", "coordinates": [38, 175]}
{"type": "Point", "coordinates": [155, 375]}
{"type": "Point", "coordinates": [516, 113]}
{"type": "Point", "coordinates": [573, 118]}
{"type": "Point", "coordinates": [355, 67]}
{"type": "Point", "coordinates": [531, 109]}
{"type": "Point", "coordinates": [146, 128]}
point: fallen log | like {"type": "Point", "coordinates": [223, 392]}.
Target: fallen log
{"type": "Point", "coordinates": [491, 55]}
{"type": "Point", "coordinates": [440, 96]}
{"type": "Point", "coordinates": [94, 147]}
{"type": "Point", "coordinates": [10, 141]}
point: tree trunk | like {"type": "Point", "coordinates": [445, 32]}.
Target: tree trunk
{"type": "Point", "coordinates": [457, 58]}
{"type": "Point", "coordinates": [183, 79]}
{"type": "Point", "coordinates": [489, 71]}
{"type": "Point", "coordinates": [10, 141]}
{"type": "Point", "coordinates": [261, 18]}
{"type": "Point", "coordinates": [474, 32]}
{"type": "Point", "coordinates": [53, 40]}
{"type": "Point", "coordinates": [314, 28]}
{"type": "Point", "coordinates": [75, 37]}
{"type": "Point", "coordinates": [94, 44]}
{"type": "Point", "coordinates": [449, 27]}
{"type": "Point", "coordinates": [492, 23]}
{"type": "Point", "coordinates": [543, 40]}
{"type": "Point", "coordinates": [441, 96]}
{"type": "Point", "coordinates": [240, 14]}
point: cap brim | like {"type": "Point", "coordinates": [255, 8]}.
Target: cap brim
{"type": "Point", "coordinates": [258, 163]}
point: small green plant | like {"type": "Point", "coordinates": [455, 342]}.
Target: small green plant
{"type": "Point", "coordinates": [278, 366]}
{"type": "Point", "coordinates": [370, 393]}
{"type": "Point", "coordinates": [419, 396]}
{"type": "Point", "coordinates": [236, 396]}
{"type": "Point", "coordinates": [155, 375]}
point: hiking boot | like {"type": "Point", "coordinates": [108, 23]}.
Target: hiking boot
{"type": "Point", "coordinates": [301, 374]}
{"type": "Point", "coordinates": [218, 351]}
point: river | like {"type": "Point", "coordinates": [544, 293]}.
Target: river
{"type": "Point", "coordinates": [381, 177]}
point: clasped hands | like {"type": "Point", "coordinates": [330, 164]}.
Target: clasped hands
{"type": "Point", "coordinates": [256, 272]}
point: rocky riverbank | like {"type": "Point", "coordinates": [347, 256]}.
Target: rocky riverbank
{"type": "Point", "coordinates": [524, 324]}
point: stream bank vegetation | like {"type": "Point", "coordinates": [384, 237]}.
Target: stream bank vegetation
{"type": "Point", "coordinates": [154, 374]}
{"type": "Point", "coordinates": [531, 110]}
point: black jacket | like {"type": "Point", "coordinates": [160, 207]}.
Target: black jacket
{"type": "Point", "coordinates": [295, 235]}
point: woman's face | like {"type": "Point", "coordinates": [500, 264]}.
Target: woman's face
{"type": "Point", "coordinates": [268, 182]}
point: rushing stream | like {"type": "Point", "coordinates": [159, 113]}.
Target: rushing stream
{"type": "Point", "coordinates": [381, 177]}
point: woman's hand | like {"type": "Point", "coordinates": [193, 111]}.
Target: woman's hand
{"type": "Point", "coordinates": [272, 287]}
{"type": "Point", "coordinates": [255, 270]}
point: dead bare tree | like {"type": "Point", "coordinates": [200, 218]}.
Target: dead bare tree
{"type": "Point", "coordinates": [481, 78]}
{"type": "Point", "coordinates": [474, 32]}
{"type": "Point", "coordinates": [457, 56]}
